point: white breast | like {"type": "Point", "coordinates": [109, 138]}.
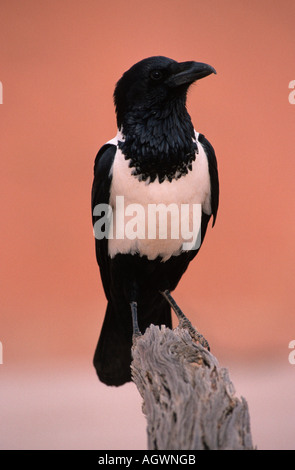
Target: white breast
{"type": "Point", "coordinates": [192, 188]}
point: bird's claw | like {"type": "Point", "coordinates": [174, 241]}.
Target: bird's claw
{"type": "Point", "coordinates": [195, 335]}
{"type": "Point", "coordinates": [136, 334]}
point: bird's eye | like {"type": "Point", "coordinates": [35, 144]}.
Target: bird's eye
{"type": "Point", "coordinates": [156, 75]}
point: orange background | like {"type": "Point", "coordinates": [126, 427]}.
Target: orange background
{"type": "Point", "coordinates": [60, 61]}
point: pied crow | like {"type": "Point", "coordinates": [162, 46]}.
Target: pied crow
{"type": "Point", "coordinates": [157, 157]}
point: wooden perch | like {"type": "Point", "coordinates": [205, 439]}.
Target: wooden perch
{"type": "Point", "coordinates": [189, 401]}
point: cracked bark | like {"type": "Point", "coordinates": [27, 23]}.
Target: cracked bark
{"type": "Point", "coordinates": [188, 400]}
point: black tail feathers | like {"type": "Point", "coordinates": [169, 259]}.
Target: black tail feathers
{"type": "Point", "coordinates": [112, 357]}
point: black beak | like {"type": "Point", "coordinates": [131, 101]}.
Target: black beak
{"type": "Point", "coordinates": [189, 72]}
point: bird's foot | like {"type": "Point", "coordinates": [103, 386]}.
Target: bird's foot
{"type": "Point", "coordinates": [195, 335]}
{"type": "Point", "coordinates": [184, 321]}
{"type": "Point", "coordinates": [136, 331]}
{"type": "Point", "coordinates": [136, 335]}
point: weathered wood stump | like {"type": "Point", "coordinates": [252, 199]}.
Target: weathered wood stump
{"type": "Point", "coordinates": [189, 401]}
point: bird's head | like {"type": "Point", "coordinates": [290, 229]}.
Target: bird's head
{"type": "Point", "coordinates": [152, 83]}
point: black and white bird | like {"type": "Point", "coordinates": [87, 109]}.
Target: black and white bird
{"type": "Point", "coordinates": [157, 157]}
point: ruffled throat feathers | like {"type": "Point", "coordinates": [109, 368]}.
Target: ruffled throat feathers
{"type": "Point", "coordinates": [158, 146]}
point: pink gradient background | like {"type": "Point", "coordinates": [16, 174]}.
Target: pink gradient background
{"type": "Point", "coordinates": [59, 63]}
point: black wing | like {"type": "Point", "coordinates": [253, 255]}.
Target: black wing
{"type": "Point", "coordinates": [101, 195]}
{"type": "Point", "coordinates": [213, 172]}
